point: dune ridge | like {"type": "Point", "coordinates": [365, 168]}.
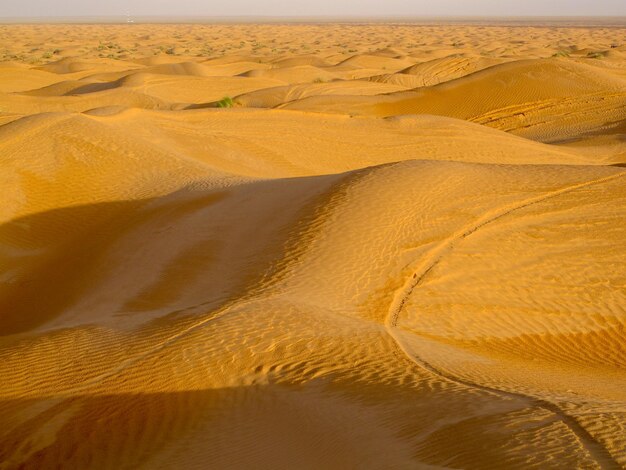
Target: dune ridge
{"type": "Point", "coordinates": [312, 246]}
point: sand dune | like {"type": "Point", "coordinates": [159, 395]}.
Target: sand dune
{"type": "Point", "coordinates": [532, 98]}
{"type": "Point", "coordinates": [274, 97]}
{"type": "Point", "coordinates": [392, 246]}
{"type": "Point", "coordinates": [436, 71]}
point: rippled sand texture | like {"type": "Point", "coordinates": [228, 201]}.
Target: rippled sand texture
{"type": "Point", "coordinates": [404, 246]}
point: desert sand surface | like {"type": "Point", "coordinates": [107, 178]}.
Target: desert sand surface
{"type": "Point", "coordinates": [393, 246]}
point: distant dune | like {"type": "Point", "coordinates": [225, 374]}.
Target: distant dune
{"type": "Point", "coordinates": [312, 246]}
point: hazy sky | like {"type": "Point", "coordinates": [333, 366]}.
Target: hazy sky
{"type": "Point", "coordinates": [12, 8]}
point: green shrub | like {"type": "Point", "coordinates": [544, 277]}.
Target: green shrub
{"type": "Point", "coordinates": [226, 102]}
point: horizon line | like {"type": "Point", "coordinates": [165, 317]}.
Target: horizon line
{"type": "Point", "coordinates": [207, 19]}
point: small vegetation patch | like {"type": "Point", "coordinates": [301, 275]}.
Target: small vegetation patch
{"type": "Point", "coordinates": [226, 102]}
{"type": "Point", "coordinates": [561, 54]}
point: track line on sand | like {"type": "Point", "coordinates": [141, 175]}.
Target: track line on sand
{"type": "Point", "coordinates": [595, 449]}
{"type": "Point", "coordinates": [83, 386]}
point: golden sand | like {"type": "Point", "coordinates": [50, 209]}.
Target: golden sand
{"type": "Point", "coordinates": [397, 246]}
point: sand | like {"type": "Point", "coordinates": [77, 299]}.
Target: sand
{"type": "Point", "coordinates": [402, 246]}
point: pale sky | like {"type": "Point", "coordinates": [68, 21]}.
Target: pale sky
{"type": "Point", "coordinates": [41, 8]}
